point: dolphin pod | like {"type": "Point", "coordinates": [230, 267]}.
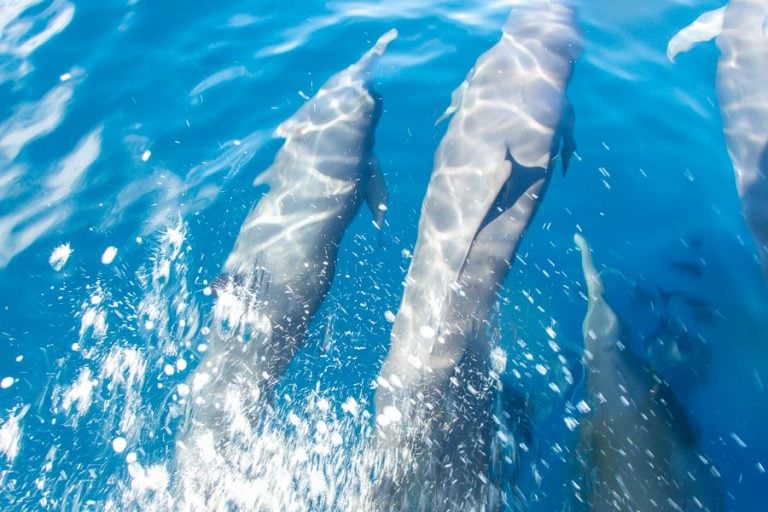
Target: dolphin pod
{"type": "Point", "coordinates": [490, 173]}
{"type": "Point", "coordinates": [740, 32]}
{"type": "Point", "coordinates": [283, 261]}
{"type": "Point", "coordinates": [638, 450]}
{"type": "Point", "coordinates": [510, 124]}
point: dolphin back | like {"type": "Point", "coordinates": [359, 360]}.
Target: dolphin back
{"type": "Point", "coordinates": [739, 28]}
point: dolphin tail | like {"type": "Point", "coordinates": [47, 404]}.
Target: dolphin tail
{"type": "Point", "coordinates": [705, 28]}
{"type": "Point", "coordinates": [592, 276]}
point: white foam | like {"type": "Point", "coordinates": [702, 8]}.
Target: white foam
{"type": "Point", "coordinates": [79, 395]}
{"type": "Point", "coordinates": [10, 434]}
{"type": "Point", "coordinates": [124, 370]}
{"type": "Point", "coordinates": [350, 406]}
{"type": "Point", "coordinates": [389, 415]}
{"type": "Point", "coordinates": [119, 444]}
{"type": "Point", "coordinates": [108, 256]}
{"type": "Point", "coordinates": [498, 360]}
{"type": "Point", "coordinates": [59, 256]}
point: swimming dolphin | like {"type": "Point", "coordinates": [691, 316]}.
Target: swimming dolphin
{"type": "Point", "coordinates": [741, 32]}
{"type": "Point", "coordinates": [638, 450]}
{"type": "Point", "coordinates": [283, 261]}
{"type": "Point", "coordinates": [510, 116]}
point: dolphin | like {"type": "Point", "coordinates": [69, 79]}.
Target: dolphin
{"type": "Point", "coordinates": [509, 120]}
{"type": "Point", "coordinates": [638, 450]}
{"type": "Point", "coordinates": [740, 30]}
{"type": "Point", "coordinates": [282, 264]}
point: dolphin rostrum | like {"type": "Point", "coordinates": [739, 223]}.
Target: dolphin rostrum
{"type": "Point", "coordinates": [638, 450]}
{"type": "Point", "coordinates": [740, 29]}
{"type": "Point", "coordinates": [283, 261]}
{"type": "Point", "coordinates": [510, 117]}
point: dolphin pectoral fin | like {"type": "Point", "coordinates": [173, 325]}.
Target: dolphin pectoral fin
{"type": "Point", "coordinates": [299, 122]}
{"type": "Point", "coordinates": [264, 177]}
{"type": "Point", "coordinates": [376, 192]}
{"type": "Point", "coordinates": [498, 183]}
{"type": "Point", "coordinates": [705, 28]}
{"type": "Point", "coordinates": [456, 98]}
{"type": "Point", "coordinates": [498, 237]}
{"type": "Point", "coordinates": [567, 122]}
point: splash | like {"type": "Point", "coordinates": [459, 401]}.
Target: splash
{"type": "Point", "coordinates": [60, 256]}
{"type": "Point", "coordinates": [11, 432]}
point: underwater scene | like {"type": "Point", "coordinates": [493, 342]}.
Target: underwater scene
{"type": "Point", "coordinates": [404, 255]}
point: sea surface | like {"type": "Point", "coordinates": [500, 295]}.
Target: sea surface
{"type": "Point", "coordinates": [131, 133]}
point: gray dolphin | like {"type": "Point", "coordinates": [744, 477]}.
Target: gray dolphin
{"type": "Point", "coordinates": [510, 116]}
{"type": "Point", "coordinates": [638, 450]}
{"type": "Point", "coordinates": [283, 261]}
{"type": "Point", "coordinates": [740, 29]}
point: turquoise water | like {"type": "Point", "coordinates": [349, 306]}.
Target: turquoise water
{"type": "Point", "coordinates": [141, 126]}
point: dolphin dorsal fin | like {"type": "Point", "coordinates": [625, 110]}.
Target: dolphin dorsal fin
{"type": "Point", "coordinates": [705, 28]}
{"type": "Point", "coordinates": [591, 275]}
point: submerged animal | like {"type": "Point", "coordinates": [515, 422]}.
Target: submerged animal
{"type": "Point", "coordinates": [510, 118]}
{"type": "Point", "coordinates": [638, 450]}
{"type": "Point", "coordinates": [742, 72]}
{"type": "Point", "coordinates": [283, 261]}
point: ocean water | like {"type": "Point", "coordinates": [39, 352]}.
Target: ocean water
{"type": "Point", "coordinates": [139, 127]}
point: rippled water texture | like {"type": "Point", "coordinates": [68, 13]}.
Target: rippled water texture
{"type": "Point", "coordinates": [131, 133]}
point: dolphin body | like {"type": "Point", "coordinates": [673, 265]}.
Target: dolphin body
{"type": "Point", "coordinates": [510, 117]}
{"type": "Point", "coordinates": [638, 450]}
{"type": "Point", "coordinates": [741, 32]}
{"type": "Point", "coordinates": [283, 261]}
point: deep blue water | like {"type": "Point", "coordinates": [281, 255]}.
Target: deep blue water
{"type": "Point", "coordinates": [141, 125]}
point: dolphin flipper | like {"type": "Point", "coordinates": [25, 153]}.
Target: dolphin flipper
{"type": "Point", "coordinates": [456, 97]}
{"type": "Point", "coordinates": [705, 28]}
{"type": "Point", "coordinates": [376, 192]}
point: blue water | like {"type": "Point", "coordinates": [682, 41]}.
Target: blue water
{"type": "Point", "coordinates": [141, 125]}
